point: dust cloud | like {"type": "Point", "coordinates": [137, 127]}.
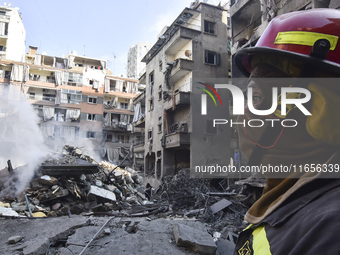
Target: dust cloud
{"type": "Point", "coordinates": [21, 139]}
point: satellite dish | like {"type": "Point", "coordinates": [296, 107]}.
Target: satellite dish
{"type": "Point", "coordinates": [187, 53]}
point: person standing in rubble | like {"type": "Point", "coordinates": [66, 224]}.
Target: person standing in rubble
{"type": "Point", "coordinates": [298, 213]}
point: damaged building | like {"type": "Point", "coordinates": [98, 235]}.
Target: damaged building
{"type": "Point", "coordinates": [76, 99]}
{"type": "Point", "coordinates": [194, 45]}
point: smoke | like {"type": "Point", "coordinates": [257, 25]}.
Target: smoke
{"type": "Point", "coordinates": [21, 139]}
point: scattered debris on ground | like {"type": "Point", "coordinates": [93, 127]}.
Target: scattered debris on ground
{"type": "Point", "coordinates": [75, 184]}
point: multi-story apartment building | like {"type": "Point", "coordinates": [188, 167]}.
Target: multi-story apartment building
{"type": "Point", "coordinates": [138, 123]}
{"type": "Point", "coordinates": [134, 64]}
{"type": "Point", "coordinates": [78, 101]}
{"type": "Point", "coordinates": [249, 18]}
{"type": "Point", "coordinates": [12, 34]}
{"type": "Point", "coordinates": [193, 46]}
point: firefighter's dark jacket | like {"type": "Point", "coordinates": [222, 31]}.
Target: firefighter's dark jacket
{"type": "Point", "coordinates": [308, 222]}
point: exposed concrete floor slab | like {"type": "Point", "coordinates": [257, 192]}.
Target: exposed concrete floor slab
{"type": "Point", "coordinates": [38, 234]}
{"type": "Point", "coordinates": [128, 236]}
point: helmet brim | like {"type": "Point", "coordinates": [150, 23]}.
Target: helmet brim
{"type": "Point", "coordinates": [243, 59]}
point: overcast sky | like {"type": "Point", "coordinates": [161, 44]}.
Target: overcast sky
{"type": "Point", "coordinates": [102, 29]}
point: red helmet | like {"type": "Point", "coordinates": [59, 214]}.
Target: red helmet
{"type": "Point", "coordinates": [294, 34]}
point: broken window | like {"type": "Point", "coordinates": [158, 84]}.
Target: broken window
{"type": "Point", "coordinates": [7, 74]}
{"type": "Point", "coordinates": [92, 100]}
{"type": "Point", "coordinates": [90, 134]}
{"type": "Point", "coordinates": [71, 96]}
{"type": "Point", "coordinates": [32, 95]}
{"type": "Point", "coordinates": [73, 79]}
{"type": "Point", "coordinates": [209, 27]}
{"type": "Point", "coordinates": [112, 85]}
{"type": "Point", "coordinates": [211, 57]}
{"type": "Point", "coordinates": [91, 117]}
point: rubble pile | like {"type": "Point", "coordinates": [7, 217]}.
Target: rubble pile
{"type": "Point", "coordinates": [76, 184]}
{"type": "Point", "coordinates": [205, 199]}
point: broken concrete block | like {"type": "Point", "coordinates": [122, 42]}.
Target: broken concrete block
{"type": "Point", "coordinates": [20, 207]}
{"type": "Point", "coordinates": [8, 212]}
{"type": "Point", "coordinates": [107, 231]}
{"type": "Point", "coordinates": [56, 206]}
{"type": "Point", "coordinates": [14, 239]}
{"type": "Point", "coordinates": [52, 214]}
{"type": "Point", "coordinates": [48, 180]}
{"type": "Point", "coordinates": [220, 205]}
{"type": "Point", "coordinates": [102, 193]}
{"type": "Point", "coordinates": [198, 241]}
{"type": "Point", "coordinates": [225, 247]}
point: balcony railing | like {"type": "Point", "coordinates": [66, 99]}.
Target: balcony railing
{"type": "Point", "coordinates": [42, 98]}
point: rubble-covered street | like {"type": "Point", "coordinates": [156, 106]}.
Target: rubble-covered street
{"type": "Point", "coordinates": [75, 205]}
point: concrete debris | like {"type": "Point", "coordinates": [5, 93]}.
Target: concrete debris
{"type": "Point", "coordinates": [101, 193]}
{"type": "Point", "coordinates": [8, 212]}
{"type": "Point", "coordinates": [14, 239]}
{"type": "Point", "coordinates": [48, 180]}
{"type": "Point", "coordinates": [225, 247]}
{"type": "Point", "coordinates": [220, 205]}
{"type": "Point", "coordinates": [197, 241]}
{"type": "Point", "coordinates": [75, 184]}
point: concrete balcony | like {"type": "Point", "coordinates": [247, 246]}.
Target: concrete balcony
{"type": "Point", "coordinates": [181, 68]}
{"type": "Point", "coordinates": [181, 99]}
{"type": "Point", "coordinates": [5, 18]}
{"type": "Point", "coordinates": [177, 139]}
{"type": "Point", "coordinates": [181, 37]}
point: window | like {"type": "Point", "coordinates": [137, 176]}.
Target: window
{"type": "Point", "coordinates": [151, 82]}
{"type": "Point", "coordinates": [92, 100]}
{"type": "Point", "coordinates": [209, 27]}
{"type": "Point", "coordinates": [150, 134]}
{"type": "Point", "coordinates": [151, 104]}
{"type": "Point", "coordinates": [160, 92]}
{"type": "Point", "coordinates": [123, 138]}
{"type": "Point", "coordinates": [124, 105]}
{"type": "Point", "coordinates": [90, 134]}
{"type": "Point", "coordinates": [91, 117]}
{"type": "Point", "coordinates": [73, 79]}
{"type": "Point", "coordinates": [48, 97]}
{"type": "Point", "coordinates": [7, 74]}
{"type": "Point", "coordinates": [70, 96]}
{"type": "Point", "coordinates": [211, 57]}
{"type": "Point", "coordinates": [159, 128]}
{"type": "Point", "coordinates": [160, 65]}
{"type": "Point", "coordinates": [32, 95]}
{"type": "Point", "coordinates": [112, 85]}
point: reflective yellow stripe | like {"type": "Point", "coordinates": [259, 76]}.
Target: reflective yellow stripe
{"type": "Point", "coordinates": [260, 242]}
{"type": "Point", "coordinates": [304, 38]}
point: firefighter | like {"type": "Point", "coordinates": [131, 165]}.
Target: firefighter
{"type": "Point", "coordinates": [298, 212]}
